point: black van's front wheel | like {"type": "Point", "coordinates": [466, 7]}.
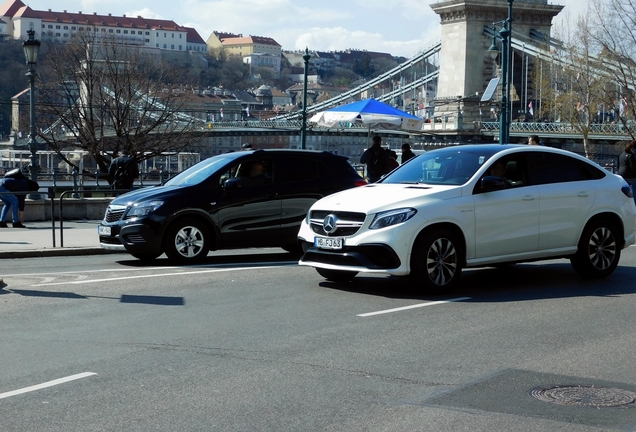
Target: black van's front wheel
{"type": "Point", "coordinates": [187, 241]}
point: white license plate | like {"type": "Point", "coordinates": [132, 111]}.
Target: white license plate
{"type": "Point", "coordinates": [328, 243]}
{"type": "Point", "coordinates": [103, 230]}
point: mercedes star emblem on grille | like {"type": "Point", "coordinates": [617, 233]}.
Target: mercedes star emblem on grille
{"type": "Point", "coordinates": [330, 224]}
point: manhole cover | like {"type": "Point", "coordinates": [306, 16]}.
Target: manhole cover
{"type": "Point", "coordinates": [584, 396]}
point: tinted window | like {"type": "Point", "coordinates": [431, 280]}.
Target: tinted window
{"type": "Point", "coordinates": [546, 168]}
{"type": "Point", "coordinates": [291, 169]}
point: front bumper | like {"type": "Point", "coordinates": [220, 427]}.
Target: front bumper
{"type": "Point", "coordinates": [133, 237]}
{"type": "Point", "coordinates": [368, 257]}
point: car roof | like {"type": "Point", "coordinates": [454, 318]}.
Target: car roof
{"type": "Point", "coordinates": [496, 148]}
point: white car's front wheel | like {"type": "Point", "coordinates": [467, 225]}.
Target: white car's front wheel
{"type": "Point", "coordinates": [436, 261]}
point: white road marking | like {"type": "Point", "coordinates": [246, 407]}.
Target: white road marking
{"type": "Point", "coordinates": [419, 305]}
{"type": "Point", "coordinates": [46, 384]}
{"type": "Point", "coordinates": [155, 275]}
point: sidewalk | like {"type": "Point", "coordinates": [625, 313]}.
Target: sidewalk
{"type": "Point", "coordinates": [79, 237]}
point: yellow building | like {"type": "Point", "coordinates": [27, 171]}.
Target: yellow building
{"type": "Point", "coordinates": [244, 46]}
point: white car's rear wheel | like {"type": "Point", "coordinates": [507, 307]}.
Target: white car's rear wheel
{"type": "Point", "coordinates": [598, 252]}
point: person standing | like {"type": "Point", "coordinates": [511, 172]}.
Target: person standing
{"type": "Point", "coordinates": [626, 162]}
{"type": "Point", "coordinates": [15, 202]}
{"type": "Point", "coordinates": [375, 157]}
{"type": "Point", "coordinates": [123, 171]}
{"type": "Point", "coordinates": [407, 153]}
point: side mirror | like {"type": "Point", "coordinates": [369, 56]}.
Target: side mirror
{"type": "Point", "coordinates": [232, 183]}
{"type": "Point", "coordinates": [492, 183]}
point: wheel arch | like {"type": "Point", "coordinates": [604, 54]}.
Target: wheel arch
{"type": "Point", "coordinates": [614, 219]}
{"type": "Point", "coordinates": [456, 230]}
{"type": "Point", "coordinates": [197, 215]}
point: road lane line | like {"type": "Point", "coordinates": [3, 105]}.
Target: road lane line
{"type": "Point", "coordinates": [46, 384]}
{"type": "Point", "coordinates": [155, 275]}
{"type": "Point", "coordinates": [419, 305]}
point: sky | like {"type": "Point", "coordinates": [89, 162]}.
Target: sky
{"type": "Point", "coordinates": [398, 27]}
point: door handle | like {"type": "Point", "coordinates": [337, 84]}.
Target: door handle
{"type": "Point", "coordinates": [528, 198]}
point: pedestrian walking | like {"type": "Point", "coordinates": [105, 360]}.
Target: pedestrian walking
{"type": "Point", "coordinates": [123, 171]}
{"type": "Point", "coordinates": [376, 159]}
{"type": "Point", "coordinates": [627, 162]}
{"type": "Point", "coordinates": [15, 202]}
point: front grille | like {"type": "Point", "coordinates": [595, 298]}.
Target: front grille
{"type": "Point", "coordinates": [114, 213]}
{"type": "Point", "coordinates": [369, 256]}
{"type": "Point", "coordinates": [348, 223]}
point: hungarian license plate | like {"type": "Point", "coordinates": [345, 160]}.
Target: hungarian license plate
{"type": "Point", "coordinates": [328, 243]}
{"type": "Point", "coordinates": [103, 230]}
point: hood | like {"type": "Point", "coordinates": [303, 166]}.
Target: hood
{"type": "Point", "coordinates": [145, 194]}
{"type": "Point", "coordinates": [374, 198]}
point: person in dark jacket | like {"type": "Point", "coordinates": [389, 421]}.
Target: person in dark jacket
{"type": "Point", "coordinates": [407, 153]}
{"type": "Point", "coordinates": [15, 202]}
{"type": "Point", "coordinates": [123, 171]}
{"type": "Point", "coordinates": [627, 162]}
{"type": "Point", "coordinates": [376, 159]}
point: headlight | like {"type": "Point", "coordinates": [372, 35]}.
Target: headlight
{"type": "Point", "coordinates": [143, 209]}
{"type": "Point", "coordinates": [392, 217]}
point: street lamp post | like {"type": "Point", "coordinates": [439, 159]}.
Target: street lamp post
{"type": "Point", "coordinates": [506, 56]}
{"type": "Point", "coordinates": [303, 127]}
{"type": "Point", "coordinates": [31, 50]}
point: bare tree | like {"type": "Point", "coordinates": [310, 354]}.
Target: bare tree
{"type": "Point", "coordinates": [104, 97]}
{"type": "Point", "coordinates": [613, 31]}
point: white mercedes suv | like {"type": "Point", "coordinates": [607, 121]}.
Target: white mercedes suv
{"type": "Point", "coordinates": [473, 206]}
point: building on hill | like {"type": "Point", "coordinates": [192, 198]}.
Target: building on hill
{"type": "Point", "coordinates": [258, 51]}
{"type": "Point", "coordinates": [62, 26]}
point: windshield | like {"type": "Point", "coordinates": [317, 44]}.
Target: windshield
{"type": "Point", "coordinates": [449, 166]}
{"type": "Point", "coordinates": [201, 171]}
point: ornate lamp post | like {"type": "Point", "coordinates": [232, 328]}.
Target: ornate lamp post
{"type": "Point", "coordinates": [31, 49]}
{"type": "Point", "coordinates": [303, 127]}
{"type": "Point", "coordinates": [506, 56]}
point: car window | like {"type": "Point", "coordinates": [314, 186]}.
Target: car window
{"type": "Point", "coordinates": [253, 172]}
{"type": "Point", "coordinates": [511, 169]}
{"type": "Point", "coordinates": [546, 168]}
{"type": "Point", "coordinates": [451, 166]}
{"type": "Point", "coordinates": [198, 173]}
{"type": "Point", "coordinates": [292, 169]}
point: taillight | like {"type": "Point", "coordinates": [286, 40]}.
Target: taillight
{"type": "Point", "coordinates": [360, 182]}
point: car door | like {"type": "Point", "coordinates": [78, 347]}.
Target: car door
{"type": "Point", "coordinates": [567, 194]}
{"type": "Point", "coordinates": [507, 219]}
{"type": "Point", "coordinates": [249, 213]}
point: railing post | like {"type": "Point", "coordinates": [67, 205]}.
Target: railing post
{"type": "Point", "coordinates": [161, 176]}
{"type": "Point", "coordinates": [97, 179]}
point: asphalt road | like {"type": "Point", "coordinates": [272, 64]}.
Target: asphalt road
{"type": "Point", "coordinates": [252, 342]}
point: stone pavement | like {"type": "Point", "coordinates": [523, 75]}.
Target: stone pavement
{"type": "Point", "coordinates": [78, 238]}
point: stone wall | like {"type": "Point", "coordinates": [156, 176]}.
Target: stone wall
{"type": "Point", "coordinates": [73, 209]}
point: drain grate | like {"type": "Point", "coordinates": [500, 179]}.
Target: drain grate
{"type": "Point", "coordinates": [584, 396]}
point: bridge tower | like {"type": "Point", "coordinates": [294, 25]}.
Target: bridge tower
{"type": "Point", "coordinates": [466, 67]}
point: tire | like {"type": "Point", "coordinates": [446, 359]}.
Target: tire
{"type": "Point", "coordinates": [187, 241]}
{"type": "Point", "coordinates": [336, 275]}
{"type": "Point", "coordinates": [145, 256]}
{"type": "Point", "coordinates": [436, 262]}
{"type": "Point", "coordinates": [598, 250]}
